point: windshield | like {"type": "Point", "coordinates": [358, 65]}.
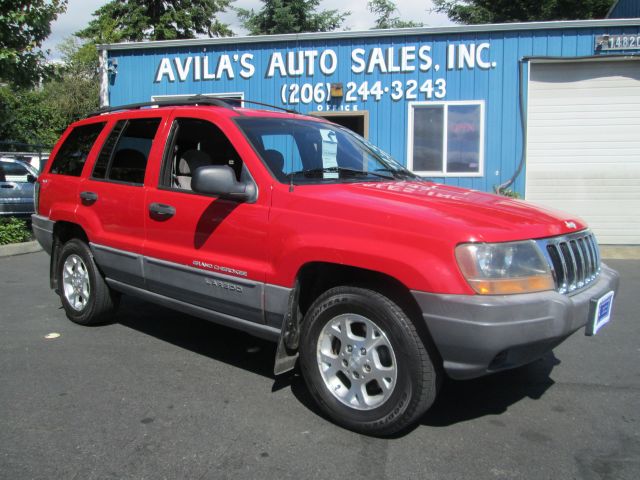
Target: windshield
{"type": "Point", "coordinates": [306, 152]}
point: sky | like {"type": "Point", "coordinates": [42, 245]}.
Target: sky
{"type": "Point", "coordinates": [79, 12]}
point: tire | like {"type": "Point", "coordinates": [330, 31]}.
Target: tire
{"type": "Point", "coordinates": [85, 296]}
{"type": "Point", "coordinates": [383, 379]}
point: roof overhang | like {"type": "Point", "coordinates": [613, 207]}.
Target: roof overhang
{"type": "Point", "coordinates": [395, 32]}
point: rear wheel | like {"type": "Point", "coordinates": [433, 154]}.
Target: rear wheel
{"type": "Point", "coordinates": [85, 296]}
{"type": "Point", "coordinates": [364, 362]}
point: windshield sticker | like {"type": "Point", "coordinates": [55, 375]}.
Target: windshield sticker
{"type": "Point", "coordinates": [329, 152]}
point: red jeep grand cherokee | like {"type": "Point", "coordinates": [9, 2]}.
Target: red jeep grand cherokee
{"type": "Point", "coordinates": [299, 231]}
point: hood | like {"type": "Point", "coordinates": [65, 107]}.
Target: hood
{"type": "Point", "coordinates": [469, 214]}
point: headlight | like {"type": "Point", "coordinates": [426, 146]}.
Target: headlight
{"type": "Point", "coordinates": [504, 268]}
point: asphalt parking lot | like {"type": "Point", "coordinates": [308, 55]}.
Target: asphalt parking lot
{"type": "Point", "coordinates": [159, 395]}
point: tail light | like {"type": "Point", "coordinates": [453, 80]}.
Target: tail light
{"type": "Point", "coordinates": [36, 196]}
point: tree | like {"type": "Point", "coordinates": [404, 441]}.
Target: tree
{"type": "Point", "coordinates": [25, 117]}
{"type": "Point", "coordinates": [38, 116]}
{"type": "Point", "coordinates": [384, 9]}
{"type": "Point", "coordinates": [290, 16]}
{"type": "Point", "coordinates": [79, 58]}
{"type": "Point", "coordinates": [504, 11]}
{"type": "Point", "coordinates": [136, 20]}
{"type": "Point", "coordinates": [75, 91]}
{"type": "Point", "coordinates": [24, 25]}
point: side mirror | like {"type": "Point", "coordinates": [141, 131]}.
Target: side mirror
{"type": "Point", "coordinates": [221, 180]}
{"type": "Point", "coordinates": [31, 178]}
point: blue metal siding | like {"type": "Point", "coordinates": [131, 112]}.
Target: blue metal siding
{"type": "Point", "coordinates": [498, 87]}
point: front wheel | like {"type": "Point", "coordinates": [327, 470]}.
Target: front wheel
{"type": "Point", "coordinates": [364, 362]}
{"type": "Point", "coordinates": [85, 296]}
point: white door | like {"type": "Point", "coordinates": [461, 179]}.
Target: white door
{"type": "Point", "coordinates": [583, 146]}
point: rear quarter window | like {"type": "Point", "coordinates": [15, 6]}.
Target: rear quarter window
{"type": "Point", "coordinates": [74, 151]}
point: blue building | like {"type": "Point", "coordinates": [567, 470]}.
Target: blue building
{"type": "Point", "coordinates": [551, 110]}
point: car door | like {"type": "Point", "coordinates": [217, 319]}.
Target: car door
{"type": "Point", "coordinates": [16, 188]}
{"type": "Point", "coordinates": [200, 249]}
{"type": "Point", "coordinates": [112, 197]}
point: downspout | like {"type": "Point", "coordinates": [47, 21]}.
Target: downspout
{"type": "Point", "coordinates": [523, 125]}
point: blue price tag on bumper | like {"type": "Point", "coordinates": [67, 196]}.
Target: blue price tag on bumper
{"type": "Point", "coordinates": [599, 313]}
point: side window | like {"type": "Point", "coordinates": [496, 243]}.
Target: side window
{"type": "Point", "coordinates": [75, 149]}
{"type": "Point", "coordinates": [197, 143]}
{"type": "Point", "coordinates": [13, 172]}
{"type": "Point", "coordinates": [124, 155]}
{"type": "Point", "coordinates": [100, 168]}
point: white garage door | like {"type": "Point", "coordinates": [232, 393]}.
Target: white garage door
{"type": "Point", "coordinates": [583, 146]}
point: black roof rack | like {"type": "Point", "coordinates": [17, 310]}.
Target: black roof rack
{"type": "Point", "coordinates": [194, 100]}
{"type": "Point", "coordinates": [288, 110]}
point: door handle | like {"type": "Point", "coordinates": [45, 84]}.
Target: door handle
{"type": "Point", "coordinates": [88, 198]}
{"type": "Point", "coordinates": [7, 186]}
{"type": "Point", "coordinates": [160, 211]}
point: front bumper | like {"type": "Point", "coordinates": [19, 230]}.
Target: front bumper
{"type": "Point", "coordinates": [480, 334]}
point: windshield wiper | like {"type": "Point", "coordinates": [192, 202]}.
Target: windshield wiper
{"type": "Point", "coordinates": [311, 171]}
{"type": "Point", "coordinates": [404, 174]}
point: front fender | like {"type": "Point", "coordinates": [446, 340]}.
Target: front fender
{"type": "Point", "coordinates": [419, 265]}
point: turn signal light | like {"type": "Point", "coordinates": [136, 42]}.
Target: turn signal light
{"type": "Point", "coordinates": [510, 286]}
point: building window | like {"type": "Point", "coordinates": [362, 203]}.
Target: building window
{"type": "Point", "coordinates": [446, 139]}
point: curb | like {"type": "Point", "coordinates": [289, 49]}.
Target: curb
{"type": "Point", "coordinates": [19, 248]}
{"type": "Point", "coordinates": [621, 252]}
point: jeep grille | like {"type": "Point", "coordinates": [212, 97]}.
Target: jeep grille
{"type": "Point", "coordinates": [574, 260]}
